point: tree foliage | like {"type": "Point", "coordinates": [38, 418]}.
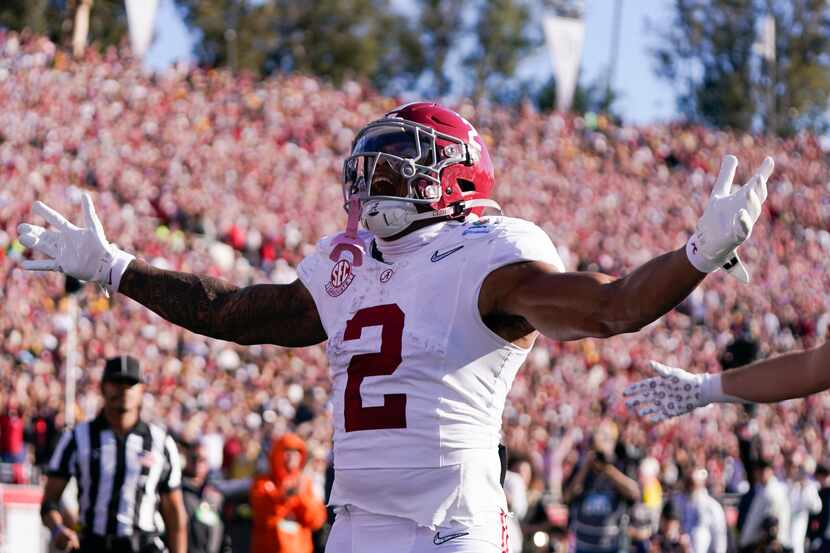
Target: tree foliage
{"type": "Point", "coordinates": [591, 97]}
{"type": "Point", "coordinates": [39, 16]}
{"type": "Point", "coordinates": [434, 47]}
{"type": "Point", "coordinates": [708, 50]}
{"type": "Point", "coordinates": [441, 26]}
{"type": "Point", "coordinates": [337, 39]}
{"type": "Point", "coordinates": [55, 18]}
{"type": "Point", "coordinates": [502, 38]}
{"type": "Point", "coordinates": [431, 47]}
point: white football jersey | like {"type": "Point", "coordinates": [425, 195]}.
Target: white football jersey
{"type": "Point", "coordinates": [419, 381]}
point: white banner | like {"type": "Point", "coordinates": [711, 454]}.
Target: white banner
{"type": "Point", "coordinates": [765, 42]}
{"type": "Point", "coordinates": [564, 38]}
{"type": "Point", "coordinates": [141, 16]}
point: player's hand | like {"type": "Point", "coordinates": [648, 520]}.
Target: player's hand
{"type": "Point", "coordinates": [65, 539]}
{"type": "Point", "coordinates": [83, 253]}
{"type": "Point", "coordinates": [728, 219]}
{"type": "Point", "coordinates": [673, 392]}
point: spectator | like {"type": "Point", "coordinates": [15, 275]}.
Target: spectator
{"type": "Point", "coordinates": [641, 528]}
{"type": "Point", "coordinates": [767, 523]}
{"type": "Point", "coordinates": [649, 473]}
{"type": "Point", "coordinates": [205, 529]}
{"type": "Point", "coordinates": [600, 495]}
{"type": "Point", "coordinates": [285, 508]}
{"type": "Point", "coordinates": [804, 499]}
{"type": "Point", "coordinates": [11, 434]}
{"type": "Point", "coordinates": [704, 520]}
{"type": "Point", "coordinates": [670, 537]}
{"type": "Point", "coordinates": [43, 434]}
{"type": "Point", "coordinates": [819, 529]}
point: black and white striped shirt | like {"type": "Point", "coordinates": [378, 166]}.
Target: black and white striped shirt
{"type": "Point", "coordinates": [119, 479]}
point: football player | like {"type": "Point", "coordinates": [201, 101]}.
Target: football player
{"type": "Point", "coordinates": [675, 392]}
{"type": "Point", "coordinates": [428, 314]}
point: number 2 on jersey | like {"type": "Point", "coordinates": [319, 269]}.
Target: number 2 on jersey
{"type": "Point", "coordinates": [392, 414]}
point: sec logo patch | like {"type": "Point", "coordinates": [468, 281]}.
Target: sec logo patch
{"type": "Point", "coordinates": [341, 277]}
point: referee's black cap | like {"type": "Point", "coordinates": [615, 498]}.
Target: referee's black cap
{"type": "Point", "coordinates": [123, 368]}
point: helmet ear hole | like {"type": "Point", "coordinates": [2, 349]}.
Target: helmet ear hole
{"type": "Point", "coordinates": [466, 185]}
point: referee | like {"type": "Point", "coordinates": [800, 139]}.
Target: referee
{"type": "Point", "coordinates": [127, 471]}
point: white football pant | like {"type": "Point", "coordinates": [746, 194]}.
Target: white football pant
{"type": "Point", "coordinates": [358, 531]}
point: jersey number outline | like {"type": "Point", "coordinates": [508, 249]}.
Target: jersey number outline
{"type": "Point", "coordinates": [392, 414]}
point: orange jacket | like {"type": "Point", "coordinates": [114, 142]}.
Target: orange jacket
{"type": "Point", "coordinates": [283, 521]}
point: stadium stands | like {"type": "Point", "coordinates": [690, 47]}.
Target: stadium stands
{"type": "Point", "coordinates": [201, 171]}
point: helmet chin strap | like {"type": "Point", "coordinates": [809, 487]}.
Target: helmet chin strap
{"type": "Point", "coordinates": [460, 207]}
{"type": "Point", "coordinates": [385, 218]}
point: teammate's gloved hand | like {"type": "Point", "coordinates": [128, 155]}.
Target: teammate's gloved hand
{"type": "Point", "coordinates": [728, 220]}
{"type": "Point", "coordinates": [674, 392]}
{"type": "Point", "coordinates": [83, 253]}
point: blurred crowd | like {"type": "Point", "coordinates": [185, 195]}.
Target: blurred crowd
{"type": "Point", "coordinates": [205, 171]}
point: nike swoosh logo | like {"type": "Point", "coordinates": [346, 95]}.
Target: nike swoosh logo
{"type": "Point", "coordinates": [439, 539]}
{"type": "Point", "coordinates": [436, 256]}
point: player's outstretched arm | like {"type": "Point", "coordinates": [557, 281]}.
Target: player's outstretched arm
{"type": "Point", "coordinates": [260, 314]}
{"type": "Point", "coordinates": [276, 314]}
{"type": "Point", "coordinates": [787, 376]}
{"type": "Point", "coordinates": [675, 391]}
{"type": "Point", "coordinates": [570, 306]}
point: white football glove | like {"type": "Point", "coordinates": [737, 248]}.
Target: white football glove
{"type": "Point", "coordinates": [674, 392]}
{"type": "Point", "coordinates": [728, 219]}
{"type": "Point", "coordinates": [83, 253]}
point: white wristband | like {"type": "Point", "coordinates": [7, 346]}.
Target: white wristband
{"type": "Point", "coordinates": [711, 391]}
{"type": "Point", "coordinates": [702, 264]}
{"type": "Point", "coordinates": [120, 261]}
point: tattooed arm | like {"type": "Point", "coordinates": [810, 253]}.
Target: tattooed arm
{"type": "Point", "coordinates": [261, 314]}
{"type": "Point", "coordinates": [265, 314]}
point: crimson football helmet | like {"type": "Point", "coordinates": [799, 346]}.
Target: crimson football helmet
{"type": "Point", "coordinates": [419, 161]}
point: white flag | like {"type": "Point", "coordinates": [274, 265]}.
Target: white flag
{"type": "Point", "coordinates": [765, 44]}
{"type": "Point", "coordinates": [564, 37]}
{"type": "Point", "coordinates": [141, 16]}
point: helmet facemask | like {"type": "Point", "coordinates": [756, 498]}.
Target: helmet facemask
{"type": "Point", "coordinates": [395, 167]}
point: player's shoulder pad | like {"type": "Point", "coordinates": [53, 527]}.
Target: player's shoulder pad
{"type": "Point", "coordinates": [512, 239]}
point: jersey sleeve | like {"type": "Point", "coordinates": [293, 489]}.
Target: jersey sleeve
{"type": "Point", "coordinates": [172, 476]}
{"type": "Point", "coordinates": [312, 272]}
{"type": "Point", "coordinates": [61, 465]}
{"type": "Point", "coordinates": [517, 240]}
{"type": "Point", "coordinates": [315, 271]}
{"type": "Point", "coordinates": [312, 267]}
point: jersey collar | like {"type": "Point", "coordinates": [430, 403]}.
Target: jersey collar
{"type": "Point", "coordinates": [391, 251]}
